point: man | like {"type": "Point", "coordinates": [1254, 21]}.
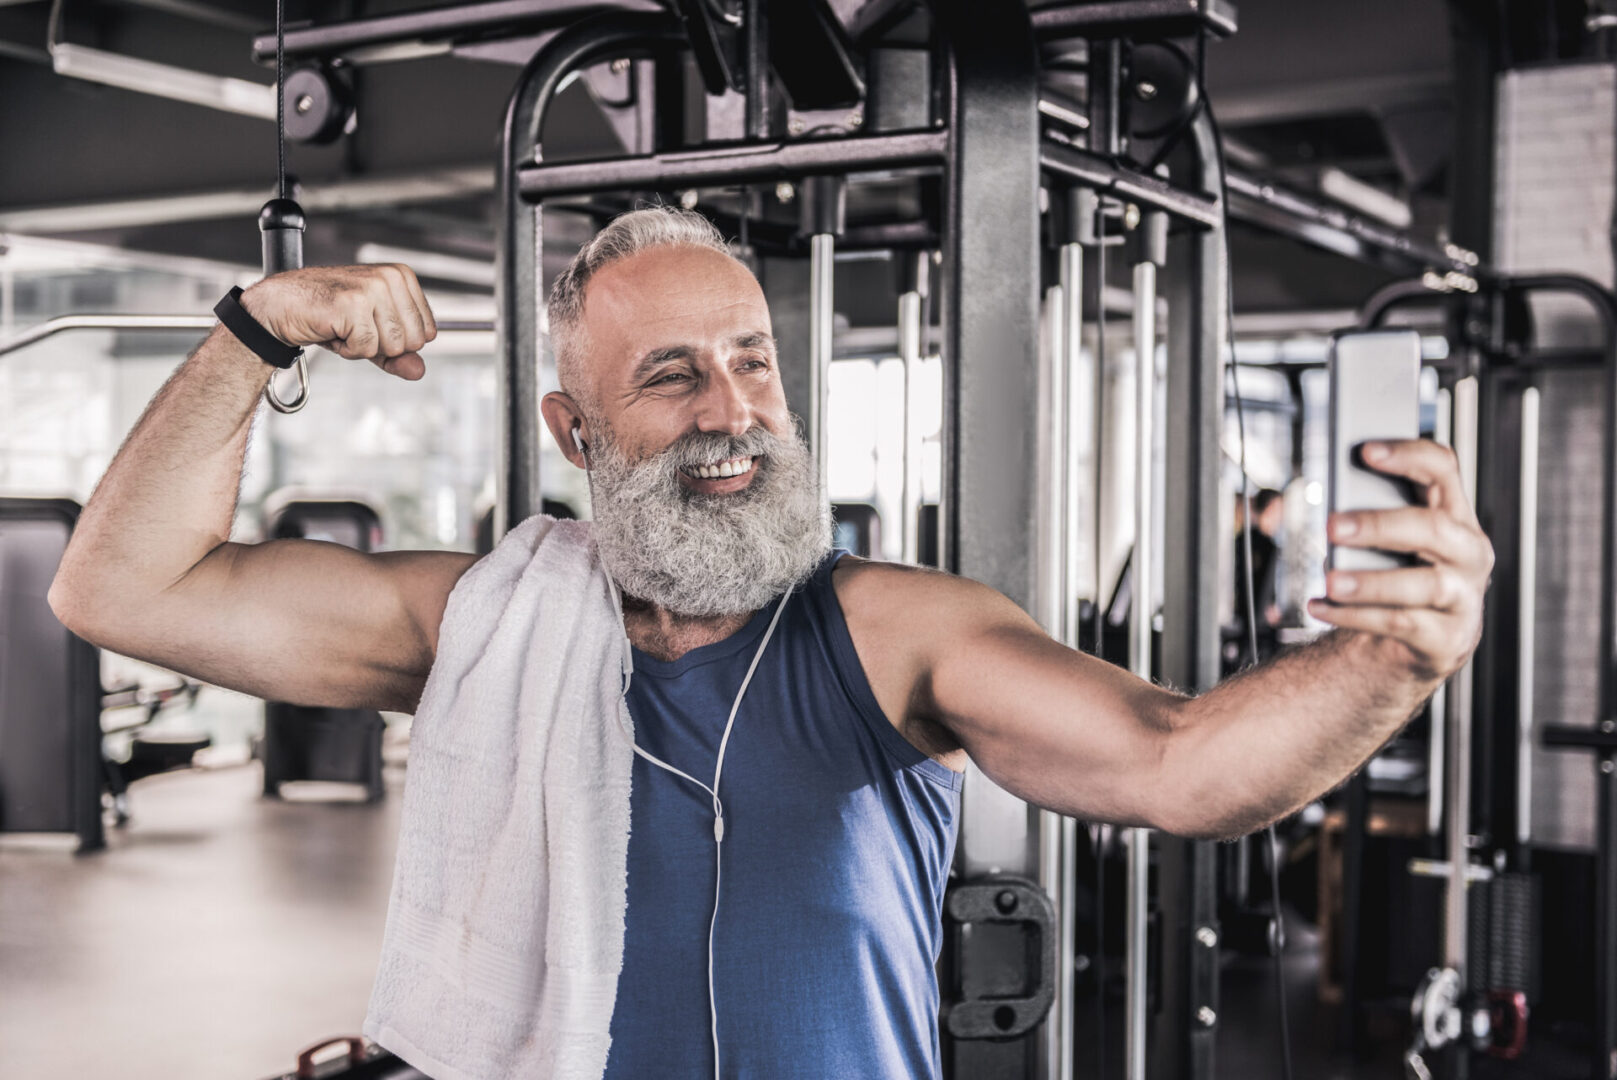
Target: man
{"type": "Point", "coordinates": [880, 682]}
{"type": "Point", "coordinates": [1268, 509]}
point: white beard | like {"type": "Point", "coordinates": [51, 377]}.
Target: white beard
{"type": "Point", "coordinates": [695, 554]}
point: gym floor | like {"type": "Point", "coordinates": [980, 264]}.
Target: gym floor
{"type": "Point", "coordinates": [219, 934]}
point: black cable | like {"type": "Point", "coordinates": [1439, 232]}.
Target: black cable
{"type": "Point", "coordinates": [280, 99]}
{"type": "Point", "coordinates": [1249, 590]}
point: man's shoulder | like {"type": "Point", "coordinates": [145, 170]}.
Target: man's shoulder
{"type": "Point", "coordinates": [911, 600]}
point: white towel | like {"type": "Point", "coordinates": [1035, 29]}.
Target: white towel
{"type": "Point", "coordinates": [504, 932]}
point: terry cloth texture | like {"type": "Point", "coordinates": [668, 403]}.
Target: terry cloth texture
{"type": "Point", "coordinates": [504, 933]}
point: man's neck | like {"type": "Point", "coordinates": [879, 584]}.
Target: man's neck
{"type": "Point", "coordinates": [658, 632]}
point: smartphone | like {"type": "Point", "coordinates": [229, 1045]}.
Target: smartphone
{"type": "Point", "coordinates": [1374, 395]}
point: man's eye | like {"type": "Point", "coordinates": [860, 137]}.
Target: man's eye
{"type": "Point", "coordinates": [667, 378]}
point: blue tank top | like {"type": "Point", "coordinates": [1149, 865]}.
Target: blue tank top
{"type": "Point", "coordinates": [837, 843]}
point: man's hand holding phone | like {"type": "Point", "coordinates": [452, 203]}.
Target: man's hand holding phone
{"type": "Point", "coordinates": [1430, 614]}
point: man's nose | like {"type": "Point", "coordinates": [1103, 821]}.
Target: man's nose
{"type": "Point", "coordinates": [724, 407]}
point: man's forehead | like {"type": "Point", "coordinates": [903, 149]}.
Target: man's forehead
{"type": "Point", "coordinates": [684, 286]}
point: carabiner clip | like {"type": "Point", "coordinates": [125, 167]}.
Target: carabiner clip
{"type": "Point", "coordinates": [303, 389]}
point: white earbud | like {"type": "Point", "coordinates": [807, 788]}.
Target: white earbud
{"type": "Point", "coordinates": [578, 441]}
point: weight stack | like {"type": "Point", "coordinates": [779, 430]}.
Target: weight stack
{"type": "Point", "coordinates": [1504, 946]}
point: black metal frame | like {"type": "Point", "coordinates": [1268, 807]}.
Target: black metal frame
{"type": "Point", "coordinates": [987, 149]}
{"type": "Point", "coordinates": [1601, 737]}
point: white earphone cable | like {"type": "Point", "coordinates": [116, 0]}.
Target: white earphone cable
{"type": "Point", "coordinates": [713, 792]}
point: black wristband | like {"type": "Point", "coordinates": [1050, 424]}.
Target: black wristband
{"type": "Point", "coordinates": [251, 333]}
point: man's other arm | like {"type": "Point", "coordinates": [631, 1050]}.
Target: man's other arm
{"type": "Point", "coordinates": [150, 571]}
{"type": "Point", "coordinates": [1082, 737]}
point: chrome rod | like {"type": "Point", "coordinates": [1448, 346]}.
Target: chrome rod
{"type": "Point", "coordinates": [1050, 444]}
{"type": "Point", "coordinates": [1458, 802]}
{"type": "Point", "coordinates": [1437, 738]}
{"type": "Point", "coordinates": [822, 256]}
{"type": "Point", "coordinates": [909, 352]}
{"type": "Point", "coordinates": [1139, 863]}
{"type": "Point", "coordinates": [1071, 262]}
{"type": "Point", "coordinates": [1051, 543]}
{"type": "Point", "coordinates": [63, 323]}
{"type": "Point", "coordinates": [1526, 614]}
{"type": "Point", "coordinates": [1145, 383]}
{"type": "Point", "coordinates": [1135, 1018]}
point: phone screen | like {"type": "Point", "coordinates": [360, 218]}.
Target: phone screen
{"type": "Point", "coordinates": [1375, 394]}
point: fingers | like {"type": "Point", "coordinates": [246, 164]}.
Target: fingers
{"type": "Point", "coordinates": [428, 320]}
{"type": "Point", "coordinates": [1426, 463]}
{"type": "Point", "coordinates": [404, 300]}
{"type": "Point", "coordinates": [1437, 587]}
{"type": "Point", "coordinates": [1435, 536]}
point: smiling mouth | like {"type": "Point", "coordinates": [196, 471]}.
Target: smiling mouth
{"type": "Point", "coordinates": [720, 470]}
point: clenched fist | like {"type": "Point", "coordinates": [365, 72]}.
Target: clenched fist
{"type": "Point", "coordinates": [376, 313]}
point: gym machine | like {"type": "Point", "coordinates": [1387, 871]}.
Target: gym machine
{"type": "Point", "coordinates": [1490, 975]}
{"type": "Point", "coordinates": [306, 742]}
{"type": "Point", "coordinates": [947, 104]}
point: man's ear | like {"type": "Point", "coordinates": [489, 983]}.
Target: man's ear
{"type": "Point", "coordinates": [563, 416]}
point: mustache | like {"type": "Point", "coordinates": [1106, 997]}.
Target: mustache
{"type": "Point", "coordinates": [712, 447]}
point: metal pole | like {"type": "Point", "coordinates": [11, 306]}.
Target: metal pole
{"type": "Point", "coordinates": [1053, 543]}
{"type": "Point", "coordinates": [822, 249]}
{"type": "Point", "coordinates": [1527, 623]}
{"type": "Point", "coordinates": [519, 242]}
{"type": "Point", "coordinates": [911, 314]}
{"type": "Point", "coordinates": [1139, 853]}
{"type": "Point", "coordinates": [1071, 271]}
{"type": "Point", "coordinates": [1437, 737]}
{"type": "Point", "coordinates": [1458, 808]}
{"type": "Point", "coordinates": [1070, 318]}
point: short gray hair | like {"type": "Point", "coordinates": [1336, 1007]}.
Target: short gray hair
{"type": "Point", "coordinates": [627, 234]}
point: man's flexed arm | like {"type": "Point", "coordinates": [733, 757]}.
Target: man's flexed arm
{"type": "Point", "coordinates": [150, 571]}
{"type": "Point", "coordinates": [1070, 733]}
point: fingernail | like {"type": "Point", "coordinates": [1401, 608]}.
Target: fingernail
{"type": "Point", "coordinates": [1344, 585]}
{"type": "Point", "coordinates": [1375, 451]}
{"type": "Point", "coordinates": [1344, 527]}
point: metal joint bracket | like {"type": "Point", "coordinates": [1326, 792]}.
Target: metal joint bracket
{"type": "Point", "coordinates": [988, 1009]}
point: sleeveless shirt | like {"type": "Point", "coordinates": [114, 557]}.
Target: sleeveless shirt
{"type": "Point", "coordinates": [838, 838]}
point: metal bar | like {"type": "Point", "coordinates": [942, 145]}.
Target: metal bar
{"type": "Point", "coordinates": [1526, 614]}
{"type": "Point", "coordinates": [990, 309]}
{"type": "Point", "coordinates": [1104, 175]}
{"type": "Point", "coordinates": [909, 353]}
{"type": "Point", "coordinates": [1268, 205]}
{"type": "Point", "coordinates": [755, 31]}
{"type": "Point", "coordinates": [1457, 809]}
{"type": "Point", "coordinates": [728, 165]}
{"type": "Point", "coordinates": [519, 244]}
{"type": "Point", "coordinates": [62, 323]}
{"type": "Point", "coordinates": [227, 94]}
{"type": "Point", "coordinates": [1070, 261]}
{"type": "Point", "coordinates": [449, 23]}
{"type": "Point", "coordinates": [1141, 612]}
{"type": "Point", "coordinates": [1437, 735]}
{"type": "Point", "coordinates": [1145, 385]}
{"type": "Point", "coordinates": [1184, 1031]}
{"type": "Point", "coordinates": [822, 324]}
{"type": "Point", "coordinates": [1135, 937]}
{"type": "Point", "coordinates": [1162, 18]}
{"type": "Point", "coordinates": [1049, 464]}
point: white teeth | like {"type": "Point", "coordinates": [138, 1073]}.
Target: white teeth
{"type": "Point", "coordinates": [732, 467]}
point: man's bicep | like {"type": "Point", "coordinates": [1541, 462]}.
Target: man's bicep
{"type": "Point", "coordinates": [1056, 727]}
